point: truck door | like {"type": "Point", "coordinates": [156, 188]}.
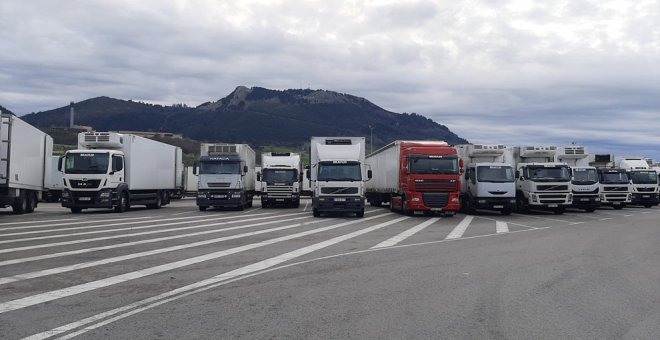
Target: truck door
{"type": "Point", "coordinates": [117, 172]}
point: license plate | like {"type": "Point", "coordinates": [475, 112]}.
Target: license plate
{"type": "Point", "coordinates": [552, 205]}
{"type": "Point", "coordinates": [498, 206]}
{"type": "Point", "coordinates": [616, 203]}
{"type": "Point", "coordinates": [646, 196]}
{"type": "Point", "coordinates": [279, 200]}
{"type": "Point", "coordinates": [84, 199]}
{"type": "Point", "coordinates": [218, 196]}
{"type": "Point", "coordinates": [584, 199]}
{"type": "Point", "coordinates": [436, 209]}
{"type": "Point", "coordinates": [340, 200]}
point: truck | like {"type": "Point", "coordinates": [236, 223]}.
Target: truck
{"type": "Point", "coordinates": [584, 178]}
{"type": "Point", "coordinates": [25, 164]}
{"type": "Point", "coordinates": [190, 181]}
{"type": "Point", "coordinates": [280, 179]}
{"type": "Point", "coordinates": [643, 179]}
{"type": "Point", "coordinates": [614, 183]}
{"type": "Point", "coordinates": [541, 183]}
{"type": "Point", "coordinates": [117, 171]}
{"type": "Point", "coordinates": [488, 181]}
{"type": "Point", "coordinates": [226, 176]}
{"type": "Point", "coordinates": [54, 182]}
{"type": "Point", "coordinates": [338, 174]}
{"type": "Point", "coordinates": [415, 176]}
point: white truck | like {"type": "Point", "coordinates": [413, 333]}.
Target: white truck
{"type": "Point", "coordinates": [114, 170]}
{"type": "Point", "coordinates": [25, 164]}
{"type": "Point", "coordinates": [226, 176]}
{"type": "Point", "coordinates": [489, 181]}
{"type": "Point", "coordinates": [644, 180]}
{"type": "Point", "coordinates": [541, 183]}
{"type": "Point", "coordinates": [190, 181]}
{"type": "Point", "coordinates": [54, 181]}
{"type": "Point", "coordinates": [584, 178]}
{"type": "Point", "coordinates": [280, 179]}
{"type": "Point", "coordinates": [338, 175]}
{"type": "Point", "coordinates": [614, 184]}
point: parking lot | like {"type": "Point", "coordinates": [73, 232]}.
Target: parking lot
{"type": "Point", "coordinates": [177, 273]}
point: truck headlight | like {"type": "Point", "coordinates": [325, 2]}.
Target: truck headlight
{"type": "Point", "coordinates": [455, 200]}
{"type": "Point", "coordinates": [105, 194]}
{"type": "Point", "coordinates": [533, 196]}
{"type": "Point", "coordinates": [415, 199]}
{"type": "Point", "coordinates": [66, 194]}
{"type": "Point", "coordinates": [482, 201]}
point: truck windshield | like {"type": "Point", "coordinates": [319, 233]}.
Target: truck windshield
{"type": "Point", "coordinates": [549, 174]}
{"type": "Point", "coordinates": [339, 172]}
{"type": "Point", "coordinates": [86, 163]}
{"type": "Point", "coordinates": [495, 174]}
{"type": "Point", "coordinates": [584, 176]}
{"type": "Point", "coordinates": [614, 178]}
{"type": "Point", "coordinates": [644, 177]}
{"type": "Point", "coordinates": [448, 166]}
{"type": "Point", "coordinates": [280, 175]}
{"type": "Point", "coordinates": [219, 167]}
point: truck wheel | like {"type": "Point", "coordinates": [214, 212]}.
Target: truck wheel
{"type": "Point", "coordinates": [590, 210]}
{"type": "Point", "coordinates": [506, 212]}
{"type": "Point", "coordinates": [158, 204]}
{"type": "Point", "coordinates": [76, 210]}
{"type": "Point", "coordinates": [123, 204]}
{"type": "Point", "coordinates": [405, 209]}
{"type": "Point", "coordinates": [469, 208]}
{"type": "Point", "coordinates": [296, 204]}
{"type": "Point", "coordinates": [316, 212]}
{"type": "Point", "coordinates": [167, 198]}
{"type": "Point", "coordinates": [31, 202]}
{"type": "Point", "coordinates": [617, 207]}
{"type": "Point", "coordinates": [20, 205]}
{"type": "Point", "coordinates": [360, 213]}
{"type": "Point", "coordinates": [521, 206]}
{"type": "Point", "coordinates": [648, 205]}
{"type": "Point", "coordinates": [559, 211]}
{"type": "Point", "coordinates": [203, 208]}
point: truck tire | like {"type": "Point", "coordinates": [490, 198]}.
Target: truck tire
{"type": "Point", "coordinates": [123, 204]}
{"type": "Point", "coordinates": [20, 205]}
{"type": "Point", "coordinates": [316, 213]}
{"type": "Point", "coordinates": [31, 202]}
{"type": "Point", "coordinates": [360, 213]}
{"type": "Point", "coordinates": [76, 210]}
{"type": "Point", "coordinates": [590, 210]}
{"type": "Point", "coordinates": [203, 208]}
{"type": "Point", "coordinates": [648, 205]}
{"type": "Point", "coordinates": [559, 211]}
{"type": "Point", "coordinates": [469, 207]}
{"type": "Point", "coordinates": [506, 212]}
{"type": "Point", "coordinates": [521, 206]}
{"type": "Point", "coordinates": [405, 210]}
{"type": "Point", "coordinates": [158, 204]}
{"type": "Point", "coordinates": [617, 207]}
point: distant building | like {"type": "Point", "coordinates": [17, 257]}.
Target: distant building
{"type": "Point", "coordinates": [149, 134]}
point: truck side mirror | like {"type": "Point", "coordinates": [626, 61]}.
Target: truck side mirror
{"type": "Point", "coordinates": [369, 174]}
{"type": "Point", "coordinates": [258, 176]}
{"type": "Point", "coordinates": [300, 177]}
{"type": "Point", "coordinates": [59, 164]}
{"type": "Point", "coordinates": [461, 166]}
{"type": "Point", "coordinates": [245, 169]}
{"type": "Point", "coordinates": [308, 174]}
{"type": "Point", "coordinates": [195, 169]}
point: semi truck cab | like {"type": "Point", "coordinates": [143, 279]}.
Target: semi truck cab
{"type": "Point", "coordinates": [221, 182]}
{"type": "Point", "coordinates": [490, 186]}
{"type": "Point", "coordinates": [280, 179]}
{"type": "Point", "coordinates": [614, 187]}
{"type": "Point", "coordinates": [644, 187]}
{"type": "Point", "coordinates": [543, 186]}
{"type": "Point", "coordinates": [586, 188]}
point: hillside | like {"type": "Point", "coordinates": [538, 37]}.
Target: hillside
{"type": "Point", "coordinates": [4, 110]}
{"type": "Point", "coordinates": [257, 116]}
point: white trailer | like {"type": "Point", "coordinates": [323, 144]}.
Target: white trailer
{"type": "Point", "coordinates": [541, 183]}
{"type": "Point", "coordinates": [279, 179]}
{"type": "Point", "coordinates": [25, 164]}
{"type": "Point", "coordinates": [489, 181]}
{"type": "Point", "coordinates": [190, 181]}
{"type": "Point", "coordinates": [644, 188]}
{"type": "Point", "coordinates": [226, 176]}
{"type": "Point", "coordinates": [338, 174]}
{"type": "Point", "coordinates": [584, 178]}
{"type": "Point", "coordinates": [54, 181]}
{"type": "Point", "coordinates": [113, 170]}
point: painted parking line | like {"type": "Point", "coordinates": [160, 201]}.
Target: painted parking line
{"type": "Point", "coordinates": [614, 214]}
{"type": "Point", "coordinates": [460, 229]}
{"type": "Point", "coordinates": [511, 223]}
{"type": "Point", "coordinates": [501, 227]}
{"type": "Point", "coordinates": [404, 235]}
{"type": "Point", "coordinates": [542, 218]}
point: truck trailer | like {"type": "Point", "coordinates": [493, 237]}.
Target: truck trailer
{"type": "Point", "coordinates": [338, 175]}
{"type": "Point", "coordinates": [280, 179]}
{"type": "Point", "coordinates": [488, 181]}
{"type": "Point", "coordinates": [226, 176]}
{"type": "Point", "coordinates": [541, 183]}
{"type": "Point", "coordinates": [114, 170]}
{"type": "Point", "coordinates": [25, 164]}
{"type": "Point", "coordinates": [415, 176]}
{"type": "Point", "coordinates": [584, 178]}
{"type": "Point", "coordinates": [644, 180]}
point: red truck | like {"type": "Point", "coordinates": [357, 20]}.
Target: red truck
{"type": "Point", "coordinates": [416, 176]}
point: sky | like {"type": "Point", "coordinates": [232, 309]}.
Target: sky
{"type": "Point", "coordinates": [495, 72]}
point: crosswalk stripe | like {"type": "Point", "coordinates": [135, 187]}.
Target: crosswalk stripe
{"type": "Point", "coordinates": [460, 228]}
{"type": "Point", "coordinates": [501, 227]}
{"type": "Point", "coordinates": [94, 285]}
{"type": "Point", "coordinates": [404, 235]}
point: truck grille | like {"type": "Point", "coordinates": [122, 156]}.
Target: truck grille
{"type": "Point", "coordinates": [585, 192]}
{"type": "Point", "coordinates": [435, 185]}
{"type": "Point", "coordinates": [435, 200]}
{"type": "Point", "coordinates": [646, 189]}
{"type": "Point", "coordinates": [616, 197]}
{"type": "Point", "coordinates": [339, 191]}
{"type": "Point", "coordinates": [219, 185]}
{"type": "Point", "coordinates": [625, 189]}
{"type": "Point", "coordinates": [552, 187]}
{"type": "Point", "coordinates": [89, 184]}
{"type": "Point", "coordinates": [553, 199]}
{"type": "Point", "coordinates": [279, 191]}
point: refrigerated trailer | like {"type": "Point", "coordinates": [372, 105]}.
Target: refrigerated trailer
{"type": "Point", "coordinates": [114, 170]}
{"type": "Point", "coordinates": [25, 164]}
{"type": "Point", "coordinates": [280, 179]}
{"type": "Point", "coordinates": [644, 180]}
{"type": "Point", "coordinates": [226, 176]}
{"type": "Point", "coordinates": [584, 178]}
{"type": "Point", "coordinates": [415, 176]}
{"type": "Point", "coordinates": [488, 181]}
{"type": "Point", "coordinates": [54, 182]}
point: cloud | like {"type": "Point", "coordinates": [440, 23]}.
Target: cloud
{"type": "Point", "coordinates": [499, 71]}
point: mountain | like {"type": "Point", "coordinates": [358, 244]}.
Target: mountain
{"type": "Point", "coordinates": [257, 116]}
{"type": "Point", "coordinates": [4, 110]}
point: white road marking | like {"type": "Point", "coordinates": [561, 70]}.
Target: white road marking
{"type": "Point", "coordinates": [186, 220]}
{"type": "Point", "coordinates": [501, 227]}
{"type": "Point", "coordinates": [48, 245]}
{"type": "Point", "coordinates": [605, 219]}
{"type": "Point", "coordinates": [585, 215]}
{"type": "Point", "coordinates": [94, 285]}
{"type": "Point", "coordinates": [35, 221]}
{"type": "Point", "coordinates": [153, 240]}
{"type": "Point", "coordinates": [202, 285]}
{"type": "Point", "coordinates": [460, 228]}
{"type": "Point", "coordinates": [574, 223]}
{"type": "Point", "coordinates": [543, 218]}
{"type": "Point", "coordinates": [613, 214]}
{"type": "Point", "coordinates": [512, 223]}
{"type": "Point", "coordinates": [306, 205]}
{"type": "Point", "coordinates": [404, 235]}
{"type": "Point", "coordinates": [80, 221]}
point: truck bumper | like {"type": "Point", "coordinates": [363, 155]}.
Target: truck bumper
{"type": "Point", "coordinates": [434, 201]}
{"type": "Point", "coordinates": [349, 204]}
{"type": "Point", "coordinates": [88, 199]}
{"type": "Point", "coordinates": [495, 203]}
{"type": "Point", "coordinates": [223, 199]}
{"type": "Point", "coordinates": [645, 199]}
{"type": "Point", "coordinates": [585, 201]}
{"type": "Point", "coordinates": [275, 200]}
